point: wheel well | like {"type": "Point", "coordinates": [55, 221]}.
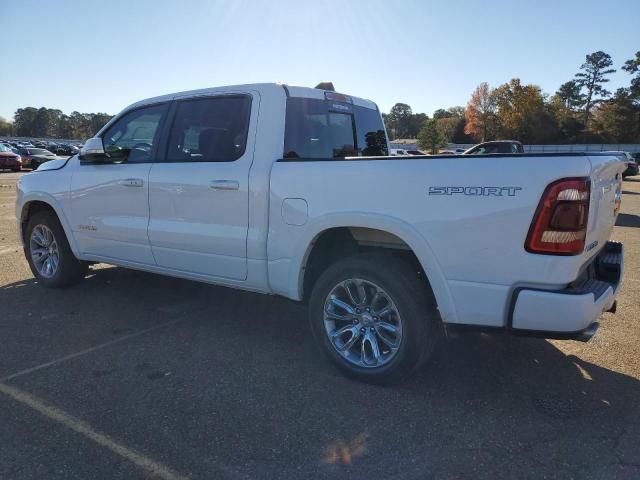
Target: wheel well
{"type": "Point", "coordinates": [336, 243]}
{"type": "Point", "coordinates": [30, 209]}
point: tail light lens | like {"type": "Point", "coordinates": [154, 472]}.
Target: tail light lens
{"type": "Point", "coordinates": [559, 226]}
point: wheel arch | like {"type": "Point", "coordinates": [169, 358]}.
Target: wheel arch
{"type": "Point", "coordinates": [37, 202]}
{"type": "Point", "coordinates": [414, 241]}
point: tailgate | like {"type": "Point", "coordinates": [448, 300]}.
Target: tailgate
{"type": "Point", "coordinates": [606, 193]}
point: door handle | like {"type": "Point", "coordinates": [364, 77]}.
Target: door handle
{"type": "Point", "coordinates": [131, 182]}
{"type": "Point", "coordinates": [225, 185]}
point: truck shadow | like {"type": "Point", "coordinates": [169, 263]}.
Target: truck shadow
{"type": "Point", "coordinates": [628, 220]}
{"type": "Point", "coordinates": [486, 406]}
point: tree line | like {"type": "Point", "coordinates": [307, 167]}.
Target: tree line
{"type": "Point", "coordinates": [581, 111]}
{"type": "Point", "coordinates": [52, 123]}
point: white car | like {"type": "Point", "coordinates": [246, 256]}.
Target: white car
{"type": "Point", "coordinates": [397, 152]}
{"type": "Point", "coordinates": [291, 191]}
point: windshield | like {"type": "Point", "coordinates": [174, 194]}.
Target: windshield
{"type": "Point", "coordinates": [39, 151]}
{"type": "Point", "coordinates": [322, 129]}
{"type": "Point", "coordinates": [4, 148]}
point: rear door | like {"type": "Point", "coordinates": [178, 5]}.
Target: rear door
{"type": "Point", "coordinates": [199, 194]}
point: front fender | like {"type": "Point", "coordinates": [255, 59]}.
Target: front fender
{"type": "Point", "coordinates": [22, 207]}
{"type": "Point", "coordinates": [286, 271]}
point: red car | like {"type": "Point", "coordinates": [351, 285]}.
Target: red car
{"type": "Point", "coordinates": [9, 160]}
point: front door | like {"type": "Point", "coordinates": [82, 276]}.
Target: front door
{"type": "Point", "coordinates": [199, 195]}
{"type": "Point", "coordinates": [110, 201]}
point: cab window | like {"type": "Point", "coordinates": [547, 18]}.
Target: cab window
{"type": "Point", "coordinates": [212, 129]}
{"type": "Point", "coordinates": [131, 138]}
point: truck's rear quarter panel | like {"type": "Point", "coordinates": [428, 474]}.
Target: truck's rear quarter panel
{"type": "Point", "coordinates": [477, 240]}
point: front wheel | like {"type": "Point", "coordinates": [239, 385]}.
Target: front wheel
{"type": "Point", "coordinates": [47, 250]}
{"type": "Point", "coordinates": [374, 317]}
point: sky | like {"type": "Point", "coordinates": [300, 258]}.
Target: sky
{"type": "Point", "coordinates": [94, 56]}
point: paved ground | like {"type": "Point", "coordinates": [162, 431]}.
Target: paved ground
{"type": "Point", "coordinates": [132, 375]}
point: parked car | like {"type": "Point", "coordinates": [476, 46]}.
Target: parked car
{"type": "Point", "coordinates": [415, 152]}
{"type": "Point", "coordinates": [10, 147]}
{"type": "Point", "coordinates": [398, 151]}
{"type": "Point", "coordinates": [34, 157]}
{"type": "Point", "coordinates": [385, 252]}
{"type": "Point", "coordinates": [64, 149]}
{"type": "Point", "coordinates": [9, 159]}
{"type": "Point", "coordinates": [632, 170]}
{"type": "Point", "coordinates": [496, 146]}
{"type": "Point", "coordinates": [632, 165]}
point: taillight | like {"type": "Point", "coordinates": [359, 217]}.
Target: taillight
{"type": "Point", "coordinates": [559, 226]}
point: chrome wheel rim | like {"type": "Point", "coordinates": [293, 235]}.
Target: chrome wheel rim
{"type": "Point", "coordinates": [44, 251]}
{"type": "Point", "coordinates": [362, 323]}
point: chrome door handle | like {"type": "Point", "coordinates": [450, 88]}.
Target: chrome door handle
{"type": "Point", "coordinates": [225, 185]}
{"type": "Point", "coordinates": [131, 182]}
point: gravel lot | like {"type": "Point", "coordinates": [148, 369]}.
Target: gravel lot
{"type": "Point", "coordinates": [132, 375]}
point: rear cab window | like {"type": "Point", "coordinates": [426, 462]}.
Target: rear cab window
{"type": "Point", "coordinates": [318, 129]}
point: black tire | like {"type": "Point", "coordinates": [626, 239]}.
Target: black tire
{"type": "Point", "coordinates": [70, 270]}
{"type": "Point", "coordinates": [409, 291]}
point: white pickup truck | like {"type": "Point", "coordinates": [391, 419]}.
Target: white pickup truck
{"type": "Point", "coordinates": [291, 191]}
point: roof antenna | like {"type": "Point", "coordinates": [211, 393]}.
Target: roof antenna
{"type": "Point", "coordinates": [326, 86]}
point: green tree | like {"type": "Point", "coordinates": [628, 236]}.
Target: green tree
{"type": "Point", "coordinates": [618, 120]}
{"type": "Point", "coordinates": [521, 111]}
{"type": "Point", "coordinates": [457, 111]}
{"type": "Point", "coordinates": [633, 67]}
{"type": "Point", "coordinates": [570, 96]}
{"type": "Point", "coordinates": [24, 120]}
{"type": "Point", "coordinates": [592, 78]}
{"type": "Point", "coordinates": [442, 113]}
{"type": "Point", "coordinates": [448, 127]}
{"type": "Point", "coordinates": [6, 128]}
{"type": "Point", "coordinates": [52, 123]}
{"type": "Point", "coordinates": [415, 124]}
{"type": "Point", "coordinates": [569, 122]}
{"type": "Point", "coordinates": [399, 120]}
{"type": "Point", "coordinates": [430, 138]}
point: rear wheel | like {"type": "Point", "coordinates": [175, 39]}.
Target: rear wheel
{"type": "Point", "coordinates": [47, 250]}
{"type": "Point", "coordinates": [374, 317]}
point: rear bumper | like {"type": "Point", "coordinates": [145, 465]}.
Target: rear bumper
{"type": "Point", "coordinates": [571, 313]}
{"type": "Point", "coordinates": [10, 162]}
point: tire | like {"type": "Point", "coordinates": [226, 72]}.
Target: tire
{"type": "Point", "coordinates": [400, 291]}
{"type": "Point", "coordinates": [16, 169]}
{"type": "Point", "coordinates": [50, 236]}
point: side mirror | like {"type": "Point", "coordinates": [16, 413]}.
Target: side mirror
{"type": "Point", "coordinates": [93, 151]}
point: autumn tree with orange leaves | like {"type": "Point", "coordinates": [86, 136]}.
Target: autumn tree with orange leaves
{"type": "Point", "coordinates": [481, 113]}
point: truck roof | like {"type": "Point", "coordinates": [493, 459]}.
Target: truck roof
{"type": "Point", "coordinates": [290, 91]}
